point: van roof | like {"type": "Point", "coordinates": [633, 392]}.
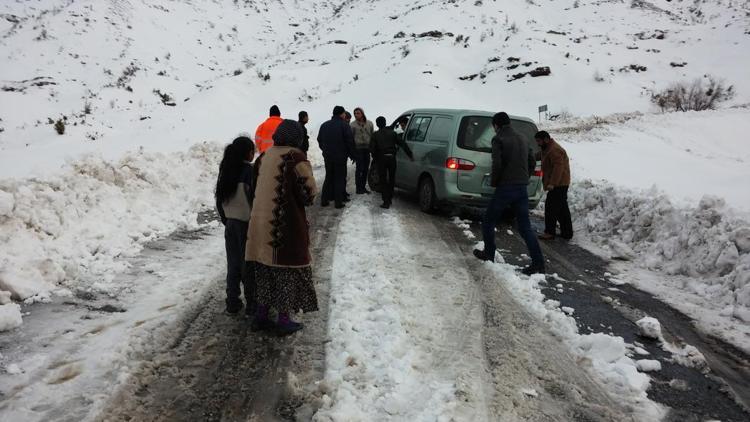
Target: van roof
{"type": "Point", "coordinates": [462, 112]}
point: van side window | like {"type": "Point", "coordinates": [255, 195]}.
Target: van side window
{"type": "Point", "coordinates": [417, 131]}
{"type": "Point", "coordinates": [440, 131]}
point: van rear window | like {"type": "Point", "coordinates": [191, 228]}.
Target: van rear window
{"type": "Point", "coordinates": [476, 132]}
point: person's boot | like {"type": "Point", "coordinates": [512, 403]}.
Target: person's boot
{"type": "Point", "coordinates": [286, 326]}
{"type": "Point", "coordinates": [533, 269]}
{"type": "Point", "coordinates": [546, 236]}
{"type": "Point", "coordinates": [385, 205]}
{"type": "Point", "coordinates": [480, 254]}
{"type": "Point", "coordinates": [261, 322]}
{"type": "Point", "coordinates": [339, 205]}
{"type": "Point", "coordinates": [234, 306]}
{"type": "Point", "coordinates": [323, 203]}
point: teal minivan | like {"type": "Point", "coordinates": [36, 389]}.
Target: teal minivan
{"type": "Point", "coordinates": [452, 157]}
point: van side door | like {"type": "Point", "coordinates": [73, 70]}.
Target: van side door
{"type": "Point", "coordinates": [407, 172]}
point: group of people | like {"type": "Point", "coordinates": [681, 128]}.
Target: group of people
{"type": "Point", "coordinates": [512, 164]}
{"type": "Point", "coordinates": [262, 203]}
{"type": "Point", "coordinates": [341, 139]}
{"type": "Point", "coordinates": [262, 206]}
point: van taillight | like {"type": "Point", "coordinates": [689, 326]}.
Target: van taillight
{"type": "Point", "coordinates": [453, 163]}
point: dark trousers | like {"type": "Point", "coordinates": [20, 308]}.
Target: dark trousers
{"type": "Point", "coordinates": [235, 236]}
{"type": "Point", "coordinates": [387, 174]}
{"type": "Point", "coordinates": [363, 166]}
{"type": "Point", "coordinates": [556, 210]}
{"type": "Point", "coordinates": [334, 184]}
{"type": "Point", "coordinates": [516, 197]}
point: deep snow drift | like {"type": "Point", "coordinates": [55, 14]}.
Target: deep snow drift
{"type": "Point", "coordinates": [667, 191]}
{"type": "Point", "coordinates": [74, 231]}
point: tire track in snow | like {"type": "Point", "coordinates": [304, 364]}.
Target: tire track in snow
{"type": "Point", "coordinates": [393, 328]}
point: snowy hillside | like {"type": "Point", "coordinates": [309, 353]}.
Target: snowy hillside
{"type": "Point", "coordinates": [164, 75]}
{"type": "Point", "coordinates": [113, 115]}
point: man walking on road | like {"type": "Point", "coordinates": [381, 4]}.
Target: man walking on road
{"type": "Point", "coordinates": [264, 133]}
{"type": "Point", "coordinates": [336, 142]}
{"type": "Point", "coordinates": [512, 162]}
{"type": "Point", "coordinates": [384, 146]}
{"type": "Point", "coordinates": [556, 179]}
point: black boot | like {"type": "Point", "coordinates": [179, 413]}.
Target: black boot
{"type": "Point", "coordinates": [533, 269]}
{"type": "Point", "coordinates": [234, 306]}
{"type": "Point", "coordinates": [481, 255]}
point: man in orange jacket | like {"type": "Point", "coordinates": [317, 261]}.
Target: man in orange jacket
{"type": "Point", "coordinates": [264, 133]}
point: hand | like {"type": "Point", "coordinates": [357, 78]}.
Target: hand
{"type": "Point", "coordinates": [549, 187]}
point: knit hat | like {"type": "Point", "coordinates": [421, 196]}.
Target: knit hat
{"type": "Point", "coordinates": [288, 134]}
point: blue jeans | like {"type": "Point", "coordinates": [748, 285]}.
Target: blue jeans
{"type": "Point", "coordinates": [517, 198]}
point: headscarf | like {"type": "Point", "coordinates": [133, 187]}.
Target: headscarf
{"type": "Point", "coordinates": [289, 133]}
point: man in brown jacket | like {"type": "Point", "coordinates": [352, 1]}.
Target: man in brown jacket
{"type": "Point", "coordinates": [556, 179]}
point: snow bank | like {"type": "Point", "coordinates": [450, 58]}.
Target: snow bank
{"type": "Point", "coordinates": [10, 316]}
{"type": "Point", "coordinates": [706, 242]}
{"type": "Point", "coordinates": [72, 231]}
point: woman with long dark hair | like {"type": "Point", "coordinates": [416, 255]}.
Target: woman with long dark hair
{"type": "Point", "coordinates": [234, 201]}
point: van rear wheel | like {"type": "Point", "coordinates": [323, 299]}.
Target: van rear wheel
{"type": "Point", "coordinates": [427, 199]}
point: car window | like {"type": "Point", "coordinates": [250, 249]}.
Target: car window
{"type": "Point", "coordinates": [417, 129]}
{"type": "Point", "coordinates": [476, 133]}
{"type": "Point", "coordinates": [441, 130]}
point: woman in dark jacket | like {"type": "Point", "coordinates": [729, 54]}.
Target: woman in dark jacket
{"type": "Point", "coordinates": [279, 253]}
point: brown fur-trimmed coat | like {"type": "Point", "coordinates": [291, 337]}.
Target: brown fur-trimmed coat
{"type": "Point", "coordinates": [278, 233]}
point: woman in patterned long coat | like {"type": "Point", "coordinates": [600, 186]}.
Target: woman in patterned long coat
{"type": "Point", "coordinates": [278, 242]}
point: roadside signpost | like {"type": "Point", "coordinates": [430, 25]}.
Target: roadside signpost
{"type": "Point", "coordinates": [542, 108]}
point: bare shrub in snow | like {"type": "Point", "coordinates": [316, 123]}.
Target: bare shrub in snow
{"type": "Point", "coordinates": [166, 99]}
{"type": "Point", "coordinates": [127, 75]}
{"type": "Point", "coordinates": [598, 77]}
{"type": "Point", "coordinates": [60, 126]}
{"type": "Point", "coordinates": [701, 94]}
{"type": "Point", "coordinates": [265, 77]}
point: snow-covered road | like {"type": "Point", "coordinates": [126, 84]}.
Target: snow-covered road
{"type": "Point", "coordinates": [70, 356]}
{"type": "Point", "coordinates": [419, 331]}
{"type": "Point", "coordinates": [411, 327]}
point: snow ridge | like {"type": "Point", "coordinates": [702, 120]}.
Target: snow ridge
{"type": "Point", "coordinates": [72, 231]}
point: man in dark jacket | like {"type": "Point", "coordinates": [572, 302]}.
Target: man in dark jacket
{"type": "Point", "coordinates": [303, 119]}
{"type": "Point", "coordinates": [556, 179]}
{"type": "Point", "coordinates": [336, 143]}
{"type": "Point", "coordinates": [384, 145]}
{"type": "Point", "coordinates": [512, 162]}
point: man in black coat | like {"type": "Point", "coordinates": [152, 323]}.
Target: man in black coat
{"type": "Point", "coordinates": [336, 141]}
{"type": "Point", "coordinates": [384, 146]}
{"type": "Point", "coordinates": [512, 163]}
